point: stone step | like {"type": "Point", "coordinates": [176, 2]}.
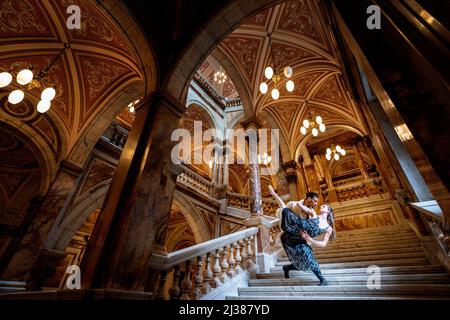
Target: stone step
{"type": "Point", "coordinates": [347, 297]}
{"type": "Point", "coordinates": [368, 257]}
{"type": "Point", "coordinates": [276, 271]}
{"type": "Point", "coordinates": [12, 286]}
{"type": "Point", "coordinates": [372, 240]}
{"type": "Point", "coordinates": [401, 233]}
{"type": "Point", "coordinates": [352, 252]}
{"type": "Point", "coordinates": [340, 290]}
{"type": "Point", "coordinates": [375, 246]}
{"type": "Point", "coordinates": [311, 279]}
{"type": "Point", "coordinates": [377, 230]}
{"type": "Point", "coordinates": [362, 264]}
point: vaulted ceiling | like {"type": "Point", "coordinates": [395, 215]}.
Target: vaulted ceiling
{"type": "Point", "coordinates": [301, 38]}
{"type": "Point", "coordinates": [88, 77]}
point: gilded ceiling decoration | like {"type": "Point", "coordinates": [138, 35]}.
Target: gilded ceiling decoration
{"type": "Point", "coordinates": [99, 65]}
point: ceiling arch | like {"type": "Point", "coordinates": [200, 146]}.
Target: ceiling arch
{"type": "Point", "coordinates": [91, 76]}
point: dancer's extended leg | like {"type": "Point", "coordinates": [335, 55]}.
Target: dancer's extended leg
{"type": "Point", "coordinates": [277, 198]}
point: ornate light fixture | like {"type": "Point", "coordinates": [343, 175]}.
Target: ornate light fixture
{"type": "Point", "coordinates": [335, 152]}
{"type": "Point", "coordinates": [271, 73]}
{"type": "Point", "coordinates": [131, 105]}
{"type": "Point", "coordinates": [265, 159]}
{"type": "Point", "coordinates": [220, 76]}
{"type": "Point", "coordinates": [316, 124]}
{"type": "Point", "coordinates": [26, 78]}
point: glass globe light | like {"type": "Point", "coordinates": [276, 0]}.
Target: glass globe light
{"type": "Point", "coordinates": [290, 86]}
{"type": "Point", "coordinates": [5, 79]}
{"type": "Point", "coordinates": [263, 87]}
{"type": "Point", "coordinates": [338, 148]}
{"type": "Point", "coordinates": [328, 156]}
{"type": "Point", "coordinates": [48, 94]}
{"type": "Point", "coordinates": [130, 104]}
{"type": "Point", "coordinates": [275, 94]}
{"type": "Point", "coordinates": [269, 159]}
{"type": "Point", "coordinates": [288, 72]}
{"type": "Point", "coordinates": [328, 151]}
{"type": "Point", "coordinates": [265, 155]}
{"type": "Point", "coordinates": [306, 123]}
{"type": "Point", "coordinates": [336, 156]}
{"type": "Point", "coordinates": [43, 106]}
{"type": "Point", "coordinates": [303, 130]}
{"type": "Point", "coordinates": [132, 109]}
{"type": "Point", "coordinates": [268, 72]}
{"type": "Point", "coordinates": [24, 77]}
{"type": "Point", "coordinates": [319, 119]}
{"type": "Point", "coordinates": [265, 162]}
{"type": "Point", "coordinates": [343, 152]}
{"type": "Point", "coordinates": [315, 132]}
{"type": "Point", "coordinates": [322, 127]}
{"type": "Point", "coordinates": [15, 96]}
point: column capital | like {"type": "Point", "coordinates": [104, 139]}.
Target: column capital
{"type": "Point", "coordinates": [292, 164]}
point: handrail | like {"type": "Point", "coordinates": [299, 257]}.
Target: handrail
{"type": "Point", "coordinates": [177, 257]}
{"type": "Point", "coordinates": [191, 178]}
{"type": "Point", "coordinates": [206, 266]}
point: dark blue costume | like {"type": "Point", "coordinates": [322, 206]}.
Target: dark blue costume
{"type": "Point", "coordinates": [297, 249]}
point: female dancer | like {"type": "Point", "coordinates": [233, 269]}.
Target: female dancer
{"type": "Point", "coordinates": [297, 231]}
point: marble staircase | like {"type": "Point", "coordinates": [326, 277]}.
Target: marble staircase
{"type": "Point", "coordinates": [395, 251]}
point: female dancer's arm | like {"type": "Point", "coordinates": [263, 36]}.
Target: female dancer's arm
{"type": "Point", "coordinates": [321, 243]}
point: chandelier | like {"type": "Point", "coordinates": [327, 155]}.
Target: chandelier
{"type": "Point", "coordinates": [131, 105]}
{"type": "Point", "coordinates": [335, 152]}
{"type": "Point", "coordinates": [265, 159]}
{"type": "Point", "coordinates": [220, 76]}
{"type": "Point", "coordinates": [26, 79]}
{"type": "Point", "coordinates": [271, 73]}
{"type": "Point", "coordinates": [316, 124]}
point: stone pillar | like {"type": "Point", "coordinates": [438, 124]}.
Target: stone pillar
{"type": "Point", "coordinates": [331, 190]}
{"type": "Point", "coordinates": [291, 176]}
{"type": "Point", "coordinates": [359, 159]}
{"type": "Point", "coordinates": [133, 221]}
{"type": "Point", "coordinates": [29, 251]}
{"type": "Point", "coordinates": [255, 190]}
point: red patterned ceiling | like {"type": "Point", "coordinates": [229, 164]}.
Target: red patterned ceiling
{"type": "Point", "coordinates": [301, 40]}
{"type": "Point", "coordinates": [99, 64]}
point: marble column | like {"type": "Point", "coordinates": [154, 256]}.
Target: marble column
{"type": "Point", "coordinates": [255, 190]}
{"type": "Point", "coordinates": [133, 221]}
{"type": "Point", "coordinates": [359, 159]}
{"type": "Point", "coordinates": [331, 190]}
{"type": "Point", "coordinates": [290, 168]}
{"type": "Point", "coordinates": [30, 250]}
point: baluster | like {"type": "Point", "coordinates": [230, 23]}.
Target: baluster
{"type": "Point", "coordinates": [238, 258]}
{"type": "Point", "coordinates": [186, 284]}
{"type": "Point", "coordinates": [197, 293]}
{"type": "Point", "coordinates": [244, 254]}
{"type": "Point", "coordinates": [207, 275]}
{"type": "Point", "coordinates": [231, 262]}
{"type": "Point", "coordinates": [249, 248]}
{"type": "Point", "coordinates": [217, 270]}
{"type": "Point", "coordinates": [174, 290]}
{"type": "Point", "coordinates": [162, 283]}
{"type": "Point", "coordinates": [224, 265]}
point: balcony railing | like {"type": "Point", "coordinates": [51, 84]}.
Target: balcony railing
{"type": "Point", "coordinates": [195, 181]}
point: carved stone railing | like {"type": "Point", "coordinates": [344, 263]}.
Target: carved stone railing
{"type": "Point", "coordinates": [205, 266]}
{"type": "Point", "coordinates": [116, 135]}
{"type": "Point", "coordinates": [239, 201]}
{"type": "Point", "coordinates": [195, 181]}
{"type": "Point", "coordinates": [269, 206]}
{"type": "Point", "coordinates": [355, 190]}
{"type": "Point", "coordinates": [233, 103]}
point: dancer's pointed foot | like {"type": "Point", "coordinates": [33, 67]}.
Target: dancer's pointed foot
{"type": "Point", "coordinates": [286, 271]}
